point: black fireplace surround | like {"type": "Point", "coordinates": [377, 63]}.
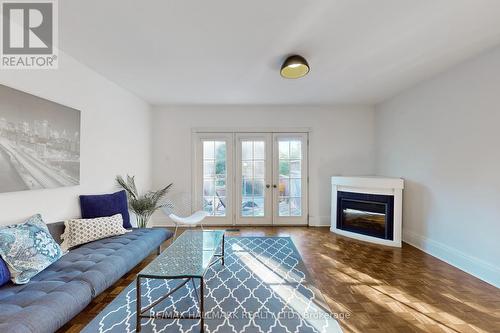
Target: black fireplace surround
{"type": "Point", "coordinates": [367, 214]}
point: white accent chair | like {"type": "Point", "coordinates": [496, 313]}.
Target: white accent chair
{"type": "Point", "coordinates": [178, 209]}
{"type": "Point", "coordinates": [192, 220]}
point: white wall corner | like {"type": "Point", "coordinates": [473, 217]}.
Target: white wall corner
{"type": "Point", "coordinates": [474, 266]}
{"type": "Point", "coordinates": [319, 221]}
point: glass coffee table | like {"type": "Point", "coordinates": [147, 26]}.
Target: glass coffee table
{"type": "Point", "coordinates": [186, 259]}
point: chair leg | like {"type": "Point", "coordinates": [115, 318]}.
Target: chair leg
{"type": "Point", "coordinates": [175, 232]}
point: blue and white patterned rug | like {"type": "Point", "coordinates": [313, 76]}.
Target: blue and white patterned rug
{"type": "Point", "coordinates": [263, 287]}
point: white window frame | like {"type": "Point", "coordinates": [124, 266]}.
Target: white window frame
{"type": "Point", "coordinates": [267, 219]}
{"type": "Point", "coordinates": [304, 218]}
{"type": "Point", "coordinates": [198, 175]}
{"type": "Point", "coordinates": [229, 135]}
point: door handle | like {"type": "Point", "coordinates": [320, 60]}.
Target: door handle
{"type": "Point", "coordinates": [268, 185]}
{"type": "Point", "coordinates": [275, 186]}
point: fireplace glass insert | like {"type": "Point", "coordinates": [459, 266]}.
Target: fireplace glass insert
{"type": "Point", "coordinates": [367, 214]}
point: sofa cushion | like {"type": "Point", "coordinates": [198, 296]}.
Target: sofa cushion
{"type": "Point", "coordinates": [28, 248]}
{"type": "Point", "coordinates": [103, 205]}
{"type": "Point", "coordinates": [67, 286]}
{"type": "Point", "coordinates": [41, 306]}
{"type": "Point", "coordinates": [103, 262]}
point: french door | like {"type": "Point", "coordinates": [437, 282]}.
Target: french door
{"type": "Point", "coordinates": [290, 179]}
{"type": "Point", "coordinates": [254, 198]}
{"type": "Point", "coordinates": [252, 178]}
{"type": "Point", "coordinates": [213, 186]}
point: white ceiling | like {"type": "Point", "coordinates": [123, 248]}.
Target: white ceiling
{"type": "Point", "coordinates": [230, 51]}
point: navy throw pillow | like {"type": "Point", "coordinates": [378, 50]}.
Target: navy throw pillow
{"type": "Point", "coordinates": [103, 205]}
{"type": "Point", "coordinates": [4, 273]}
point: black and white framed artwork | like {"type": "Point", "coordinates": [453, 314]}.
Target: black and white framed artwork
{"type": "Point", "coordinates": [39, 142]}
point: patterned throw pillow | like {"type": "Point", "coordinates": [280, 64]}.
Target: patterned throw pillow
{"type": "Point", "coordinates": [81, 231]}
{"type": "Point", "coordinates": [28, 248]}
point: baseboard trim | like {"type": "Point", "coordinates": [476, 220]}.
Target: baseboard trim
{"type": "Point", "coordinates": [168, 225]}
{"type": "Point", "coordinates": [469, 264]}
{"type": "Point", "coordinates": [314, 221]}
{"type": "Point", "coordinates": [208, 225]}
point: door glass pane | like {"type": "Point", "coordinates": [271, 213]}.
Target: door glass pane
{"type": "Point", "coordinates": [246, 188]}
{"type": "Point", "coordinates": [220, 206]}
{"type": "Point", "coordinates": [253, 178]}
{"type": "Point", "coordinates": [208, 187]}
{"type": "Point", "coordinates": [295, 206]}
{"type": "Point", "coordinates": [284, 187]}
{"type": "Point", "coordinates": [284, 206]}
{"type": "Point", "coordinates": [295, 169]}
{"type": "Point", "coordinates": [260, 170]}
{"type": "Point", "coordinates": [208, 169]}
{"type": "Point", "coordinates": [258, 187]}
{"type": "Point", "coordinates": [284, 150]}
{"type": "Point", "coordinates": [247, 206]}
{"type": "Point", "coordinates": [295, 187]}
{"type": "Point", "coordinates": [208, 150]}
{"type": "Point", "coordinates": [220, 184]}
{"type": "Point", "coordinates": [208, 204]}
{"type": "Point", "coordinates": [247, 169]}
{"type": "Point", "coordinates": [284, 168]}
{"type": "Point", "coordinates": [214, 177]}
{"type": "Point", "coordinates": [290, 177]}
{"type": "Point", "coordinates": [259, 206]}
{"type": "Point", "coordinates": [259, 150]}
{"type": "Point", "coordinates": [246, 150]}
{"type": "Point", "coordinates": [295, 150]}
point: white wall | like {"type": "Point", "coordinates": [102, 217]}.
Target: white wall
{"type": "Point", "coordinates": [443, 137]}
{"type": "Point", "coordinates": [115, 137]}
{"type": "Point", "coordinates": [341, 143]}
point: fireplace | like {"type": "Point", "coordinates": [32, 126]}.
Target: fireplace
{"type": "Point", "coordinates": [367, 214]}
{"type": "Point", "coordinates": [368, 208]}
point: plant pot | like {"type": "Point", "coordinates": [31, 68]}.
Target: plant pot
{"type": "Point", "coordinates": [142, 221]}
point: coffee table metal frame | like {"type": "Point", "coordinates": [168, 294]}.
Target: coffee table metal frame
{"type": "Point", "coordinates": [140, 312]}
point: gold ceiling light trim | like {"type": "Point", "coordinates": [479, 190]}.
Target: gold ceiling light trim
{"type": "Point", "coordinates": [294, 67]}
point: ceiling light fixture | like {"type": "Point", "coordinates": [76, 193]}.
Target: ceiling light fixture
{"type": "Point", "coordinates": [294, 67]}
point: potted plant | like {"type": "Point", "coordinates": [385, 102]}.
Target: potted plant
{"type": "Point", "coordinates": [144, 205]}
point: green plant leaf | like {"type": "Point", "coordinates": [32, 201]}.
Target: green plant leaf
{"type": "Point", "coordinates": [143, 206]}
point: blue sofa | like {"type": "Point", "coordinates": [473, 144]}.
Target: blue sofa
{"type": "Point", "coordinates": [66, 287]}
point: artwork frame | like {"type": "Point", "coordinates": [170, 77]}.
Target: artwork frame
{"type": "Point", "coordinates": [39, 142]}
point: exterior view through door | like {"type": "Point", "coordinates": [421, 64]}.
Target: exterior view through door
{"type": "Point", "coordinates": [251, 178]}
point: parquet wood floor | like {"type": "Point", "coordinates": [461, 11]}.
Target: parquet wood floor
{"type": "Point", "coordinates": [376, 289]}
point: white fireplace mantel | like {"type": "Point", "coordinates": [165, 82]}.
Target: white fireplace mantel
{"type": "Point", "coordinates": [370, 185]}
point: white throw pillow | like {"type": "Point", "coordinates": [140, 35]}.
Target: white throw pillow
{"type": "Point", "coordinates": [81, 231]}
